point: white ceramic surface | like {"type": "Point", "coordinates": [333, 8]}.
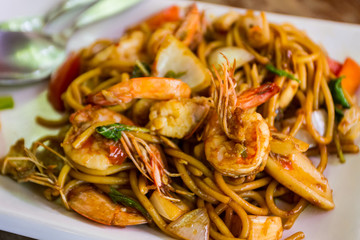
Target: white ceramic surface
{"type": "Point", "coordinates": [23, 209]}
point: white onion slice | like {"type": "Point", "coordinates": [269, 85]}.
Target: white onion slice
{"type": "Point", "coordinates": [241, 56]}
{"type": "Point", "coordinates": [193, 225]}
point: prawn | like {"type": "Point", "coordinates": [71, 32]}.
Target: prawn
{"type": "Point", "coordinates": [237, 139]}
{"type": "Point", "coordinates": [257, 29]}
{"type": "Point", "coordinates": [192, 28]}
{"type": "Point", "coordinates": [89, 149]}
{"type": "Point", "coordinates": [94, 151]}
{"type": "Point", "coordinates": [178, 118]}
{"type": "Point", "coordinates": [87, 201]}
{"type": "Point", "coordinates": [145, 87]}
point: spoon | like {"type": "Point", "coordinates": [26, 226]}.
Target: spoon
{"type": "Point", "coordinates": [39, 23]}
{"type": "Point", "coordinates": [27, 57]}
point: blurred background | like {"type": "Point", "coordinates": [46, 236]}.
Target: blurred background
{"type": "Point", "coordinates": [342, 11]}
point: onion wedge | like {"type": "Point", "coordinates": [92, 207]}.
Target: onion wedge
{"type": "Point", "coordinates": [298, 174]}
{"type": "Point", "coordinates": [285, 145]}
{"type": "Point", "coordinates": [174, 57]}
{"type": "Point", "coordinates": [240, 55]}
{"type": "Point", "coordinates": [193, 225]}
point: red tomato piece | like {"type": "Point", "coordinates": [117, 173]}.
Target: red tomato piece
{"type": "Point", "coordinates": [117, 155]}
{"type": "Point", "coordinates": [61, 79]}
{"type": "Point", "coordinates": [334, 65]}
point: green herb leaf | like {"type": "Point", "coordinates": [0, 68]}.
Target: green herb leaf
{"type": "Point", "coordinates": [6, 102]}
{"type": "Point", "coordinates": [172, 74]}
{"type": "Point", "coordinates": [141, 69]}
{"type": "Point", "coordinates": [281, 73]}
{"type": "Point", "coordinates": [118, 197]}
{"type": "Point", "coordinates": [113, 131]}
{"type": "Point", "coordinates": [338, 93]}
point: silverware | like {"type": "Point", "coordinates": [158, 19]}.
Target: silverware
{"type": "Point", "coordinates": [27, 57]}
{"type": "Point", "coordinates": [39, 23]}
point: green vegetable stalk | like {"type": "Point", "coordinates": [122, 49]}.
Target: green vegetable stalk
{"type": "Point", "coordinates": [113, 131]}
{"type": "Point", "coordinates": [141, 69]}
{"type": "Point", "coordinates": [338, 146]}
{"type": "Point", "coordinates": [280, 72]}
{"type": "Point", "coordinates": [172, 74]}
{"type": "Point", "coordinates": [118, 197]}
{"type": "Point", "coordinates": [338, 93]}
{"type": "Point", "coordinates": [6, 102]}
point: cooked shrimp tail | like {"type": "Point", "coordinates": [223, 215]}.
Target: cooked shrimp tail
{"type": "Point", "coordinates": [257, 96]}
{"type": "Point", "coordinates": [95, 205]}
{"type": "Point", "coordinates": [145, 87]}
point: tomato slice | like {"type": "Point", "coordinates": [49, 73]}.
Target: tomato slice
{"type": "Point", "coordinates": [61, 79]}
{"type": "Point", "coordinates": [117, 155]}
{"type": "Point", "coordinates": [334, 66]}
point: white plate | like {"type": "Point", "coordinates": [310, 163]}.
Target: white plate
{"type": "Point", "coordinates": [24, 210]}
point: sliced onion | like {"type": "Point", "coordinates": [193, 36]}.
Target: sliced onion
{"type": "Point", "coordinates": [319, 121]}
{"type": "Point", "coordinates": [231, 53]}
{"type": "Point", "coordinates": [166, 208]}
{"type": "Point", "coordinates": [193, 225]}
{"type": "Point", "coordinates": [174, 56]}
{"type": "Point", "coordinates": [284, 144]}
{"type": "Point", "coordinates": [305, 136]}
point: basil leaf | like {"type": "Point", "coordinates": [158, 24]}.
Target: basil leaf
{"type": "Point", "coordinates": [6, 102]}
{"type": "Point", "coordinates": [280, 72]}
{"type": "Point", "coordinates": [141, 69]}
{"type": "Point", "coordinates": [338, 93]}
{"type": "Point", "coordinates": [113, 131]}
{"type": "Point", "coordinates": [172, 74]}
{"type": "Point", "coordinates": [118, 197]}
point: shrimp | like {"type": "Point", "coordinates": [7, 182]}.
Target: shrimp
{"type": "Point", "coordinates": [145, 87]}
{"type": "Point", "coordinates": [97, 152]}
{"type": "Point", "coordinates": [178, 118]}
{"type": "Point", "coordinates": [130, 46]}
{"type": "Point", "coordinates": [94, 152]}
{"type": "Point", "coordinates": [191, 29]}
{"type": "Point", "coordinates": [256, 28]}
{"type": "Point", "coordinates": [237, 139]}
{"type": "Point", "coordinates": [92, 204]}
{"type": "Point", "coordinates": [349, 126]}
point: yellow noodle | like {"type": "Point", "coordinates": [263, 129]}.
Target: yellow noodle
{"type": "Point", "coordinates": [296, 236]}
{"type": "Point", "coordinates": [213, 193]}
{"type": "Point", "coordinates": [52, 123]}
{"type": "Point", "coordinates": [109, 171]}
{"type": "Point", "coordinates": [190, 183]}
{"type": "Point", "coordinates": [246, 205]}
{"type": "Point", "coordinates": [98, 179]}
{"type": "Point", "coordinates": [297, 125]}
{"type": "Point", "coordinates": [159, 221]}
{"type": "Point", "coordinates": [251, 185]}
{"type": "Point", "coordinates": [88, 132]}
{"type": "Point", "coordinates": [218, 236]}
{"type": "Point", "coordinates": [218, 221]}
{"type": "Point", "coordinates": [191, 160]}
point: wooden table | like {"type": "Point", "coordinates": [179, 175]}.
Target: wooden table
{"type": "Point", "coordinates": [343, 11]}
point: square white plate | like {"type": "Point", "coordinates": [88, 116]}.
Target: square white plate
{"type": "Point", "coordinates": [24, 210]}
